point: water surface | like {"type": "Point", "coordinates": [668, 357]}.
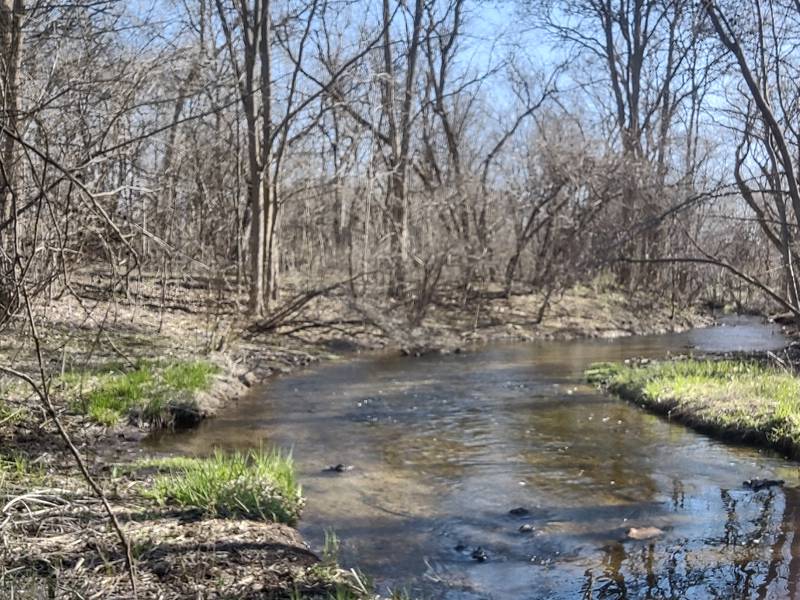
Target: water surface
{"type": "Point", "coordinates": [444, 446]}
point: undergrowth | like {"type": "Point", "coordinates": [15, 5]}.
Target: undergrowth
{"type": "Point", "coordinates": [18, 469]}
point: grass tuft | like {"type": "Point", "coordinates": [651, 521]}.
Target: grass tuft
{"type": "Point", "coordinates": [740, 400]}
{"type": "Point", "coordinates": [19, 469]}
{"type": "Point", "coordinates": [257, 485]}
{"type": "Point", "coordinates": [151, 392]}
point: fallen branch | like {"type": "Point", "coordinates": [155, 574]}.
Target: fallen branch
{"type": "Point", "coordinates": [335, 325]}
{"type": "Point", "coordinates": [294, 306]}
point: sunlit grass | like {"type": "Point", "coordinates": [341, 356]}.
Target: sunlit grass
{"type": "Point", "coordinates": [188, 375]}
{"type": "Point", "coordinates": [258, 484]}
{"type": "Point", "coordinates": [147, 391]}
{"type": "Point", "coordinates": [745, 399]}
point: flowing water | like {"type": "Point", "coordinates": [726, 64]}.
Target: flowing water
{"type": "Point", "coordinates": [444, 446]}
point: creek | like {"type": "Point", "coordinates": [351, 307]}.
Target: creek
{"type": "Point", "coordinates": [443, 447]}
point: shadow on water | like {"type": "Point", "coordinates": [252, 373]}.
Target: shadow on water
{"type": "Point", "coordinates": [443, 447]}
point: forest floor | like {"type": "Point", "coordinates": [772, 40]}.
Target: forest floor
{"type": "Point", "coordinates": [121, 364]}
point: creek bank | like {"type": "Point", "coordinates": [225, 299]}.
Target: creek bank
{"type": "Point", "coordinates": [57, 543]}
{"type": "Point", "coordinates": [329, 328]}
{"type": "Point", "coordinates": [582, 312]}
{"type": "Point", "coordinates": [748, 399]}
{"type": "Point", "coordinates": [73, 343]}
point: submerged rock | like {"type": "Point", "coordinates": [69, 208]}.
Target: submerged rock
{"type": "Point", "coordinates": [644, 533]}
{"type": "Point", "coordinates": [762, 484]}
{"type": "Point", "coordinates": [479, 554]}
{"type": "Point", "coordinates": [340, 468]}
{"type": "Point", "coordinates": [519, 512]}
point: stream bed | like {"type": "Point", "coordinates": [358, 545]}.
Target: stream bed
{"type": "Point", "coordinates": [443, 447]}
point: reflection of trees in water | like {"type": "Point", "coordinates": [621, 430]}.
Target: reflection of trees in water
{"type": "Point", "coordinates": [612, 583]}
{"type": "Point", "coordinates": [678, 494]}
{"type": "Point", "coordinates": [731, 522]}
{"type": "Point", "coordinates": [755, 555]}
{"type": "Point", "coordinates": [788, 529]}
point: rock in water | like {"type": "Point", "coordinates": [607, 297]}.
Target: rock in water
{"type": "Point", "coordinates": [249, 379]}
{"type": "Point", "coordinates": [762, 484]}
{"type": "Point", "coordinates": [519, 512]}
{"type": "Point", "coordinates": [526, 528]}
{"type": "Point", "coordinates": [479, 554]}
{"type": "Point", "coordinates": [644, 533]}
{"type": "Point", "coordinates": [340, 468]}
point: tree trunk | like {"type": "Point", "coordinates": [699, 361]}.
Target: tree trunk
{"type": "Point", "coordinates": [11, 14]}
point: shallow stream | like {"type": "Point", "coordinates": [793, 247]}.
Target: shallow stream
{"type": "Point", "coordinates": [442, 448]}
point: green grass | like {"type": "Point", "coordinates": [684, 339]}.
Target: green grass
{"type": "Point", "coordinates": [255, 485]}
{"type": "Point", "coordinates": [149, 392]}
{"type": "Point", "coordinates": [11, 414]}
{"type": "Point", "coordinates": [189, 375]}
{"type": "Point", "coordinates": [16, 468]}
{"type": "Point", "coordinates": [331, 548]}
{"type": "Point", "coordinates": [741, 400]}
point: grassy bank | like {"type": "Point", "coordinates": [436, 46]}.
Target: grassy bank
{"type": "Point", "coordinates": [734, 400]}
{"type": "Point", "coordinates": [255, 485]}
{"type": "Point", "coordinates": [153, 393]}
{"type": "Point", "coordinates": [217, 526]}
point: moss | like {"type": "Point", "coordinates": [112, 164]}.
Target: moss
{"type": "Point", "coordinates": [151, 392]}
{"type": "Point", "coordinates": [256, 485]}
{"type": "Point", "coordinates": [734, 399]}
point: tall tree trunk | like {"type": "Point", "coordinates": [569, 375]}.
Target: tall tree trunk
{"type": "Point", "coordinates": [11, 15]}
{"type": "Point", "coordinates": [400, 138]}
{"type": "Point", "coordinates": [270, 198]}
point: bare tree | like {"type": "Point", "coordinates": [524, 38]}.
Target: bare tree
{"type": "Point", "coordinates": [762, 46]}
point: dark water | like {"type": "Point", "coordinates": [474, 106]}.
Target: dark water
{"type": "Point", "coordinates": [444, 446]}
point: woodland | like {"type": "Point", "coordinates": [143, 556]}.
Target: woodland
{"type": "Point", "coordinates": [238, 162]}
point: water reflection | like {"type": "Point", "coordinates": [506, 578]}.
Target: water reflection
{"type": "Point", "coordinates": [746, 559]}
{"type": "Point", "coordinates": [443, 447]}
